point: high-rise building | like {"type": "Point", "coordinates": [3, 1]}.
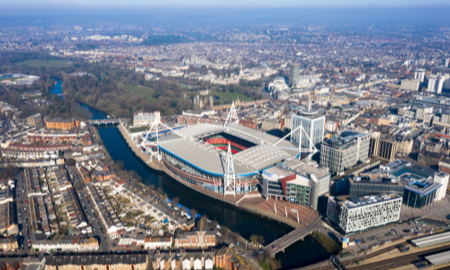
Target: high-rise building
{"type": "Point", "coordinates": [442, 80]}
{"type": "Point", "coordinates": [344, 151]}
{"type": "Point", "coordinates": [446, 62]}
{"type": "Point", "coordinates": [356, 214]}
{"type": "Point", "coordinates": [294, 73]}
{"type": "Point", "coordinates": [313, 124]}
{"type": "Point", "coordinates": [432, 84]}
{"type": "Point", "coordinates": [419, 74]}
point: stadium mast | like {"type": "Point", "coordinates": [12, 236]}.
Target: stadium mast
{"type": "Point", "coordinates": [229, 177]}
{"type": "Point", "coordinates": [232, 115]}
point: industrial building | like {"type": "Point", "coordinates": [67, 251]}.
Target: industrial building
{"type": "Point", "coordinates": [296, 182]}
{"type": "Point", "coordinates": [345, 151]}
{"type": "Point", "coordinates": [358, 214]}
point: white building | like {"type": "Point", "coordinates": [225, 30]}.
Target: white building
{"type": "Point", "coordinates": [441, 178]}
{"type": "Point", "coordinates": [144, 119]}
{"type": "Point", "coordinates": [357, 214]}
{"type": "Point", "coordinates": [313, 124]}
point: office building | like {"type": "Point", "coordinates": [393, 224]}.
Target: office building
{"type": "Point", "coordinates": [345, 151]}
{"type": "Point", "coordinates": [374, 183]}
{"type": "Point", "coordinates": [387, 145]}
{"type": "Point", "coordinates": [146, 118]}
{"type": "Point", "coordinates": [294, 73]}
{"type": "Point", "coordinates": [357, 214]}
{"type": "Point", "coordinates": [296, 182]}
{"type": "Point", "coordinates": [446, 62]}
{"type": "Point", "coordinates": [35, 121]}
{"type": "Point", "coordinates": [313, 124]}
{"type": "Point", "coordinates": [422, 185]}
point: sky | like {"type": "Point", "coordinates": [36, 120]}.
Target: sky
{"type": "Point", "coordinates": [111, 4]}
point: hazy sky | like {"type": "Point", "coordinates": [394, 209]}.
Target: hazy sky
{"type": "Point", "coordinates": [219, 3]}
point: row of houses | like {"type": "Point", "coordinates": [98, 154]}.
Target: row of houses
{"type": "Point", "coordinates": [64, 242]}
{"type": "Point", "coordinates": [197, 260]}
{"type": "Point", "coordinates": [107, 215]}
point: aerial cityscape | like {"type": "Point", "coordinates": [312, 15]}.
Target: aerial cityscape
{"type": "Point", "coordinates": [224, 135]}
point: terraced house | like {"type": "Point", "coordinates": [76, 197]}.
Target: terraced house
{"type": "Point", "coordinates": [98, 262]}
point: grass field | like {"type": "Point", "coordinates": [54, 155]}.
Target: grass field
{"type": "Point", "coordinates": [138, 129]}
{"type": "Point", "coordinates": [228, 97]}
{"type": "Point", "coordinates": [139, 90]}
{"type": "Point", "coordinates": [11, 79]}
{"type": "Point", "coordinates": [37, 63]}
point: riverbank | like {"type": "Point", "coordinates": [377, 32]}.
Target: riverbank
{"type": "Point", "coordinates": [243, 205]}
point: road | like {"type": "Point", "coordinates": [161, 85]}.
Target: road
{"type": "Point", "coordinates": [292, 237]}
{"type": "Point", "coordinates": [22, 218]}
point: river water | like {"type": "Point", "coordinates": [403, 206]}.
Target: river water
{"type": "Point", "coordinates": [246, 223]}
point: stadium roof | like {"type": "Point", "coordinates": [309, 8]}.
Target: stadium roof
{"type": "Point", "coordinates": [246, 162]}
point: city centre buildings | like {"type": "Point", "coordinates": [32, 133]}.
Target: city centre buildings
{"type": "Point", "coordinates": [357, 214]}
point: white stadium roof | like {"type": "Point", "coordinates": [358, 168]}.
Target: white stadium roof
{"type": "Point", "coordinates": [248, 161]}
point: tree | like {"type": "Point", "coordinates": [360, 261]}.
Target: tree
{"type": "Point", "coordinates": [261, 239]}
{"type": "Point", "coordinates": [175, 200]}
{"type": "Point", "coordinates": [160, 190]}
{"type": "Point", "coordinates": [151, 186]}
{"type": "Point", "coordinates": [120, 164]}
{"type": "Point", "coordinates": [193, 212]}
{"type": "Point", "coordinates": [254, 238]}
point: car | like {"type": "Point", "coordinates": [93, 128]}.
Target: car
{"type": "Point", "coordinates": [26, 201]}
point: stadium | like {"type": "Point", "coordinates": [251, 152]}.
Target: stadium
{"type": "Point", "coordinates": [225, 159]}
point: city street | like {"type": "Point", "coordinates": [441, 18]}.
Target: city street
{"type": "Point", "coordinates": [22, 214]}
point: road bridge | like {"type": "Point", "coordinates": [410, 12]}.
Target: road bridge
{"type": "Point", "coordinates": [108, 121]}
{"type": "Point", "coordinates": [285, 241]}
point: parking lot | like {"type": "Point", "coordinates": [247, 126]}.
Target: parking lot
{"type": "Point", "coordinates": [388, 234]}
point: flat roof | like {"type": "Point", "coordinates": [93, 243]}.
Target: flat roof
{"type": "Point", "coordinates": [358, 201]}
{"type": "Point", "coordinates": [441, 258]}
{"type": "Point", "coordinates": [432, 240]}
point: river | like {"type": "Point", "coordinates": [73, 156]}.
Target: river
{"type": "Point", "coordinates": [246, 223]}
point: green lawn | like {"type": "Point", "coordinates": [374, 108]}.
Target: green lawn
{"type": "Point", "coordinates": [140, 90]}
{"type": "Point", "coordinates": [12, 79]}
{"type": "Point", "coordinates": [37, 63]}
{"type": "Point", "coordinates": [138, 129]}
{"type": "Point", "coordinates": [228, 97]}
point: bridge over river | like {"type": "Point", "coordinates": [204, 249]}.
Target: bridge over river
{"type": "Point", "coordinates": [285, 241]}
{"type": "Point", "coordinates": [108, 121]}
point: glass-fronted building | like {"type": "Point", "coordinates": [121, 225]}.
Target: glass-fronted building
{"type": "Point", "coordinates": [314, 125]}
